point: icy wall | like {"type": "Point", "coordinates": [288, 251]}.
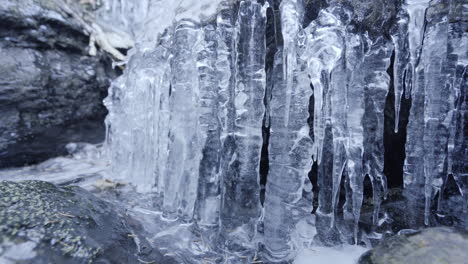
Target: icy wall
{"type": "Point", "coordinates": [291, 87]}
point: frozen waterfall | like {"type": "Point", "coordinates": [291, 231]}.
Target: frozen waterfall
{"type": "Point", "coordinates": [200, 99]}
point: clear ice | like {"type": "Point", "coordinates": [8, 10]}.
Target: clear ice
{"type": "Point", "coordinates": [186, 117]}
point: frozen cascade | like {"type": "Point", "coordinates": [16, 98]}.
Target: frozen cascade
{"type": "Point", "coordinates": [186, 116]}
{"type": "Point", "coordinates": [352, 92]}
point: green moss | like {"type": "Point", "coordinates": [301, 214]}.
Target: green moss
{"type": "Point", "coordinates": [36, 207]}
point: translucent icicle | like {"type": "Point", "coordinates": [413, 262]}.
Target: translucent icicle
{"type": "Point", "coordinates": [357, 46]}
{"type": "Point", "coordinates": [416, 10]}
{"type": "Point", "coordinates": [208, 198]}
{"type": "Point", "coordinates": [184, 147]}
{"type": "Point", "coordinates": [289, 144]}
{"type": "Point", "coordinates": [240, 206]}
{"type": "Point", "coordinates": [377, 60]}
{"type": "Point", "coordinates": [290, 25]}
{"type": "Point", "coordinates": [323, 50]}
{"type": "Point", "coordinates": [400, 41]}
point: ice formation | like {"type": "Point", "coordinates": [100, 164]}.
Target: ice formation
{"type": "Point", "coordinates": [187, 116]}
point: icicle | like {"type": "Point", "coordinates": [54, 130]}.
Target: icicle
{"type": "Point", "coordinates": [225, 65]}
{"type": "Point", "coordinates": [289, 144]}
{"type": "Point", "coordinates": [416, 10]}
{"type": "Point", "coordinates": [436, 108]}
{"type": "Point", "coordinates": [400, 40]}
{"type": "Point", "coordinates": [339, 108]}
{"type": "Point", "coordinates": [407, 36]}
{"type": "Point", "coordinates": [324, 56]}
{"type": "Point", "coordinates": [240, 193]}
{"type": "Point", "coordinates": [356, 53]}
{"type": "Point", "coordinates": [377, 60]}
{"type": "Point", "coordinates": [184, 147]}
{"type": "Point", "coordinates": [323, 50]}
{"type": "Point", "coordinates": [427, 130]}
{"type": "Point", "coordinates": [134, 120]}
{"type": "Point", "coordinates": [208, 198]}
{"type": "Point", "coordinates": [290, 25]}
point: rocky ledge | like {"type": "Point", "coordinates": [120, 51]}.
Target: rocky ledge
{"type": "Point", "coordinates": [430, 246]}
{"type": "Point", "coordinates": [51, 90]}
{"type": "Point", "coordinates": [42, 223]}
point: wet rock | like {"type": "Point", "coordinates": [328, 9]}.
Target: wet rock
{"type": "Point", "coordinates": [51, 91]}
{"type": "Point", "coordinates": [43, 223]}
{"type": "Point", "coordinates": [430, 246]}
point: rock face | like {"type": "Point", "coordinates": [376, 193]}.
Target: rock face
{"type": "Point", "coordinates": [51, 91]}
{"type": "Point", "coordinates": [430, 246]}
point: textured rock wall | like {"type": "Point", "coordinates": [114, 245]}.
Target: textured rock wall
{"type": "Point", "coordinates": [51, 91]}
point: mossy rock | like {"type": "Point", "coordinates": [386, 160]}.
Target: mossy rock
{"type": "Point", "coordinates": [441, 245]}
{"type": "Point", "coordinates": [42, 223]}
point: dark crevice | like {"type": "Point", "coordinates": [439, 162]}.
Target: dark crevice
{"type": "Point", "coordinates": [394, 143]}
{"type": "Point", "coordinates": [313, 171]}
{"type": "Point", "coordinates": [368, 206]}
{"type": "Point", "coordinates": [272, 39]}
{"type": "Point", "coordinates": [422, 40]}
{"type": "Point", "coordinates": [312, 9]}
{"type": "Point", "coordinates": [313, 177]}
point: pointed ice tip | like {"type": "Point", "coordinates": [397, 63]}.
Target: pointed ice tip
{"type": "Point", "coordinates": [397, 118]}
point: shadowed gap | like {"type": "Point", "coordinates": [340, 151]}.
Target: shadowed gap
{"type": "Point", "coordinates": [273, 39]}
{"type": "Point", "coordinates": [394, 143]}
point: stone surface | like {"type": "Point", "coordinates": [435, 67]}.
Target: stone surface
{"type": "Point", "coordinates": [51, 91]}
{"type": "Point", "coordinates": [42, 223]}
{"type": "Point", "coordinates": [430, 246]}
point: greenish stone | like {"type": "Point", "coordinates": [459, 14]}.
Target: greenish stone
{"type": "Point", "coordinates": [430, 246]}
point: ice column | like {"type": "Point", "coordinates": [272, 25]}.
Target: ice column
{"type": "Point", "coordinates": [240, 206]}
{"type": "Point", "coordinates": [458, 59]}
{"type": "Point", "coordinates": [137, 104]}
{"type": "Point", "coordinates": [408, 39]}
{"type": "Point", "coordinates": [430, 118]}
{"type": "Point", "coordinates": [208, 198]}
{"type": "Point", "coordinates": [399, 34]}
{"type": "Point", "coordinates": [376, 87]}
{"type": "Point", "coordinates": [347, 122]}
{"type": "Point", "coordinates": [416, 10]}
{"type": "Point", "coordinates": [324, 49]}
{"type": "Point", "coordinates": [185, 136]}
{"type": "Point", "coordinates": [290, 146]}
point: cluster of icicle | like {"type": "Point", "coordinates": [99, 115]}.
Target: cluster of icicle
{"type": "Point", "coordinates": [186, 117]}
